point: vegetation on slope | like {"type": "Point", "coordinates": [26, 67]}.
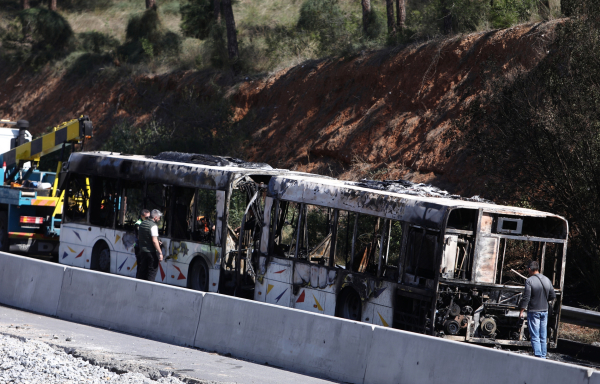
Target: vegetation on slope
{"type": "Point", "coordinates": [272, 33]}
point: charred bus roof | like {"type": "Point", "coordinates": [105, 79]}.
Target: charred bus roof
{"type": "Point", "coordinates": [186, 170]}
{"type": "Point", "coordinates": [423, 209]}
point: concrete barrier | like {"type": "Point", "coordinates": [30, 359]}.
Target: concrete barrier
{"type": "Point", "coordinates": [142, 308]}
{"type": "Point", "coordinates": [295, 340]}
{"type": "Point", "coordinates": [403, 357]}
{"type": "Point", "coordinates": [299, 341]}
{"type": "Point", "coordinates": [29, 284]}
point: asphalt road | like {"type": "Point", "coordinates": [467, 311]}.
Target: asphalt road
{"type": "Point", "coordinates": [125, 353]}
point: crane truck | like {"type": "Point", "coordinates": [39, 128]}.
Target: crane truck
{"type": "Point", "coordinates": [30, 200]}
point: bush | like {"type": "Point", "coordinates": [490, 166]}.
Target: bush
{"type": "Point", "coordinates": [374, 25]}
{"type": "Point", "coordinates": [324, 20]}
{"type": "Point", "coordinates": [146, 25]}
{"type": "Point", "coordinates": [37, 35]}
{"type": "Point", "coordinates": [505, 13]}
{"type": "Point", "coordinates": [96, 42]}
{"type": "Point", "coordinates": [146, 37]}
{"type": "Point", "coordinates": [316, 15]}
{"type": "Point", "coordinates": [197, 17]}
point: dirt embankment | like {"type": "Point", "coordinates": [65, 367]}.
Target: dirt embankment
{"type": "Point", "coordinates": [384, 114]}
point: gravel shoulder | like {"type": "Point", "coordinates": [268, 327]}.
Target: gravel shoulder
{"type": "Point", "coordinates": [33, 361]}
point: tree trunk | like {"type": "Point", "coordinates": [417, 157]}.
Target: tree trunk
{"type": "Point", "coordinates": [150, 4]}
{"type": "Point", "coordinates": [389, 5]}
{"type": "Point", "coordinates": [217, 10]}
{"type": "Point", "coordinates": [366, 9]}
{"type": "Point", "coordinates": [25, 4]}
{"type": "Point", "coordinates": [401, 14]}
{"type": "Point", "coordinates": [53, 5]}
{"type": "Point", "coordinates": [447, 12]}
{"type": "Point", "coordinates": [544, 9]}
{"type": "Point", "coordinates": [232, 44]}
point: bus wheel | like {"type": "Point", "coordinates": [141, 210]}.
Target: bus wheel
{"type": "Point", "coordinates": [198, 275]}
{"type": "Point", "coordinates": [349, 305]}
{"type": "Point", "coordinates": [3, 232]}
{"type": "Point", "coordinates": [101, 257]}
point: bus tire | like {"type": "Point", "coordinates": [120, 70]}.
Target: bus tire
{"type": "Point", "coordinates": [100, 257]}
{"type": "Point", "coordinates": [349, 305]}
{"type": "Point", "coordinates": [198, 275]}
{"type": "Point", "coordinates": [4, 232]}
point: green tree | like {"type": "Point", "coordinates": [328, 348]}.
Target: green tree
{"type": "Point", "coordinates": [197, 18]}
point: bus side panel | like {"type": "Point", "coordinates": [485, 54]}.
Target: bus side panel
{"type": "Point", "coordinates": [177, 273]}
{"type": "Point", "coordinates": [124, 241]}
{"type": "Point", "coordinates": [280, 270]}
{"type": "Point", "coordinates": [126, 263]}
{"type": "Point", "coordinates": [161, 275]}
{"type": "Point", "coordinates": [213, 280]}
{"type": "Point", "coordinates": [314, 300]}
{"type": "Point", "coordinates": [76, 234]}
{"type": "Point", "coordinates": [260, 290]}
{"type": "Point", "coordinates": [74, 254]}
{"type": "Point", "coordinates": [377, 314]}
{"type": "Point", "coordinates": [383, 294]}
{"type": "Point", "coordinates": [277, 293]}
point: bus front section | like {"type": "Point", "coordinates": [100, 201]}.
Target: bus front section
{"type": "Point", "coordinates": [483, 269]}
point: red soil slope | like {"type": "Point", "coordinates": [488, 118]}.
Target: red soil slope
{"type": "Point", "coordinates": [387, 114]}
{"type": "Point", "coordinates": [384, 114]}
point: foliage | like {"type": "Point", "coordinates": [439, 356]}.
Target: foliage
{"type": "Point", "coordinates": [324, 21]}
{"type": "Point", "coordinates": [36, 35]}
{"type": "Point", "coordinates": [543, 137]}
{"type": "Point", "coordinates": [505, 13]}
{"type": "Point", "coordinates": [197, 17]}
{"type": "Point", "coordinates": [146, 37]}
{"type": "Point", "coordinates": [374, 25]}
{"type": "Point", "coordinates": [84, 5]}
{"type": "Point", "coordinates": [217, 46]}
{"type": "Point", "coordinates": [96, 42]}
{"type": "Point", "coordinates": [200, 122]}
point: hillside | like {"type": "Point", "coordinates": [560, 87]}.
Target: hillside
{"type": "Point", "coordinates": [380, 114]}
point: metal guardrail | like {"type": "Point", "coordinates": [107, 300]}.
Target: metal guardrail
{"type": "Point", "coordinates": [578, 316]}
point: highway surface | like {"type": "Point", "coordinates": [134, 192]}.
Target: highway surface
{"type": "Point", "coordinates": [125, 353]}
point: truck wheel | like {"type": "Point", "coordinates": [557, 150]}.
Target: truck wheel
{"type": "Point", "coordinates": [101, 257]}
{"type": "Point", "coordinates": [3, 232]}
{"type": "Point", "coordinates": [198, 276]}
{"type": "Point", "coordinates": [349, 305]}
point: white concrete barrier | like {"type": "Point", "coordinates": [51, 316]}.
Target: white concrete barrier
{"type": "Point", "coordinates": [403, 357]}
{"type": "Point", "coordinates": [30, 284]}
{"type": "Point", "coordinates": [142, 308]}
{"type": "Point", "coordinates": [288, 338]}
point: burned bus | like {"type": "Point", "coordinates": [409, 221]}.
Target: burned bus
{"type": "Point", "coordinates": [212, 205]}
{"type": "Point", "coordinates": [390, 254]}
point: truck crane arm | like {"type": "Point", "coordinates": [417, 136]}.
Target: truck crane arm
{"type": "Point", "coordinates": [30, 202]}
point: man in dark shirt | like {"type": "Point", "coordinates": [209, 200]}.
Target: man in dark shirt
{"type": "Point", "coordinates": [538, 291]}
{"type": "Point", "coordinates": [150, 251]}
{"type": "Point", "coordinates": [145, 214]}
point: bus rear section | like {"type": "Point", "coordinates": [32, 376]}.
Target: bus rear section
{"type": "Point", "coordinates": [425, 264]}
{"type": "Point", "coordinates": [211, 207]}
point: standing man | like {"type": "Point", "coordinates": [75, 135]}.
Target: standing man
{"type": "Point", "coordinates": [150, 252]}
{"type": "Point", "coordinates": [538, 291]}
{"type": "Point", "coordinates": [145, 214]}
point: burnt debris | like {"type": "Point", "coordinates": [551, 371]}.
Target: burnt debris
{"type": "Point", "coordinates": [415, 189]}
{"type": "Point", "coordinates": [211, 160]}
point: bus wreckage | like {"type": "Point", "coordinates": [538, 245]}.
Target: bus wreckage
{"type": "Point", "coordinates": [393, 254]}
